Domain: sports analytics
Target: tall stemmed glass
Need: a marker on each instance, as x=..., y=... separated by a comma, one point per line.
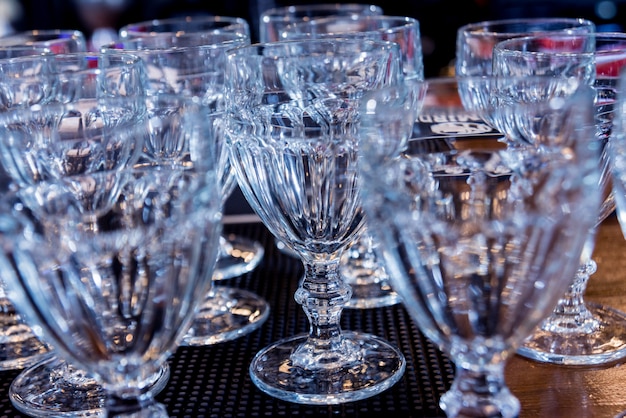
x=361, y=267
x=480, y=237
x=30, y=153
x=273, y=21
x=475, y=41
x=292, y=130
x=577, y=332
x=193, y=64
x=143, y=244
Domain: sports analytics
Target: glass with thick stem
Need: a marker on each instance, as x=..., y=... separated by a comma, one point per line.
x=292, y=132
x=481, y=228
x=361, y=267
x=577, y=332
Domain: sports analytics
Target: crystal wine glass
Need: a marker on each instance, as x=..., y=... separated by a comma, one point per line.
x=142, y=244
x=292, y=131
x=22, y=86
x=361, y=267
x=272, y=24
x=273, y=21
x=480, y=237
x=577, y=332
x=193, y=64
x=475, y=41
x=52, y=386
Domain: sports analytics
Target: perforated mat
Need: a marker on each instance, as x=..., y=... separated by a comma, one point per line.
x=213, y=381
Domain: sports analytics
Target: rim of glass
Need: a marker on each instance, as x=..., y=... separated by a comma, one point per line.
x=486, y=27
x=284, y=11
x=149, y=27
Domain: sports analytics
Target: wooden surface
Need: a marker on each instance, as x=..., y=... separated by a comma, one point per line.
x=564, y=391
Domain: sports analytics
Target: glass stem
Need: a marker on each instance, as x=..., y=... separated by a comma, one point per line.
x=480, y=392
x=322, y=294
x=571, y=314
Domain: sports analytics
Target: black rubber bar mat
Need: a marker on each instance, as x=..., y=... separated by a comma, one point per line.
x=213, y=381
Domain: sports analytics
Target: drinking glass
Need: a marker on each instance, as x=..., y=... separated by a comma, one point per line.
x=140, y=239
x=58, y=41
x=29, y=154
x=22, y=86
x=140, y=243
x=273, y=21
x=475, y=41
x=193, y=64
x=481, y=237
x=292, y=131
x=361, y=267
x=577, y=332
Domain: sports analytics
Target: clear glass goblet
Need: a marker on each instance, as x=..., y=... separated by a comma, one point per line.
x=361, y=267
x=481, y=232
x=292, y=131
x=41, y=144
x=140, y=241
x=272, y=25
x=273, y=21
x=193, y=64
x=577, y=332
x=133, y=288
x=22, y=86
x=475, y=41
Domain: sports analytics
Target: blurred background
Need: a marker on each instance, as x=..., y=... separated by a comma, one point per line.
x=439, y=19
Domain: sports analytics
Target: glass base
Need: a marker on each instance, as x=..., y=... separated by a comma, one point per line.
x=604, y=343
x=45, y=390
x=228, y=314
x=369, y=290
x=20, y=348
x=375, y=367
x=238, y=255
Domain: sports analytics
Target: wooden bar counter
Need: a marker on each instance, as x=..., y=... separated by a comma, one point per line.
x=565, y=391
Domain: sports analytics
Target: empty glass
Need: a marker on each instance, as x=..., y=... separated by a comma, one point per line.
x=137, y=246
x=23, y=85
x=32, y=151
x=577, y=332
x=478, y=230
x=361, y=267
x=292, y=131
